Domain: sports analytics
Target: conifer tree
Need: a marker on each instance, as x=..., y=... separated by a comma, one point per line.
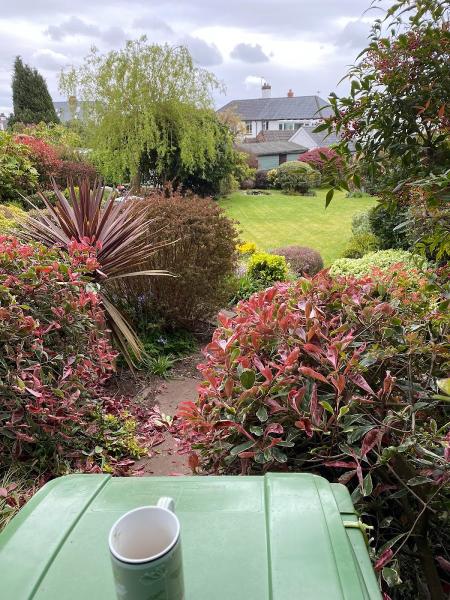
x=31, y=99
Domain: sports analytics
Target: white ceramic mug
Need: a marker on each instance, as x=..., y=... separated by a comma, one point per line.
x=146, y=553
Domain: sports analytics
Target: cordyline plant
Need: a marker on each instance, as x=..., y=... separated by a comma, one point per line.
x=339, y=376
x=114, y=232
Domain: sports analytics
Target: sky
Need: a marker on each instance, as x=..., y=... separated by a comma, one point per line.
x=305, y=45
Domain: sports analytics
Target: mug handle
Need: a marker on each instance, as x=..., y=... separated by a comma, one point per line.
x=167, y=503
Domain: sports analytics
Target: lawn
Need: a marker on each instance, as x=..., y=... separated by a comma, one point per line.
x=280, y=220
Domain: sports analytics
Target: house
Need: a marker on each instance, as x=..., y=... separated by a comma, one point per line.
x=304, y=136
x=70, y=109
x=272, y=154
x=289, y=113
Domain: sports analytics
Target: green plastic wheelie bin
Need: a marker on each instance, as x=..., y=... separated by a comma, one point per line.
x=277, y=537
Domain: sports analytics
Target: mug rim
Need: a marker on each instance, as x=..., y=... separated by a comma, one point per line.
x=148, y=559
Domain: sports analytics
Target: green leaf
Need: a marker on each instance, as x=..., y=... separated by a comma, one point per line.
x=256, y=430
x=262, y=415
x=343, y=411
x=444, y=385
x=321, y=127
x=247, y=378
x=278, y=455
x=329, y=197
x=327, y=406
x=391, y=577
x=367, y=485
x=418, y=481
x=242, y=447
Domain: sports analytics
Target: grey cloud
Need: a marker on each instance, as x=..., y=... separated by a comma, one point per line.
x=49, y=60
x=248, y=53
x=114, y=35
x=153, y=23
x=204, y=54
x=72, y=26
x=354, y=35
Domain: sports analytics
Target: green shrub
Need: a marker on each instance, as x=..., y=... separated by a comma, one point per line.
x=200, y=250
x=10, y=216
x=18, y=175
x=361, y=223
x=267, y=268
x=360, y=244
x=294, y=176
x=301, y=260
x=241, y=288
x=381, y=260
x=383, y=223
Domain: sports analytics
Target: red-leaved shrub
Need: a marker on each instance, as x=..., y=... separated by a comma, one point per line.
x=302, y=260
x=325, y=160
x=75, y=171
x=55, y=356
x=337, y=376
x=44, y=157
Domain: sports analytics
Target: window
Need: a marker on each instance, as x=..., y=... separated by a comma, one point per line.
x=289, y=126
x=248, y=127
x=265, y=125
x=282, y=158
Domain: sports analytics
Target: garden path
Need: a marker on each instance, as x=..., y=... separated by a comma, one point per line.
x=165, y=459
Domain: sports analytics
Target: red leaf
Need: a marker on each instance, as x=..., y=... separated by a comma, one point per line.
x=359, y=380
x=443, y=563
x=342, y=464
x=311, y=373
x=370, y=439
x=314, y=407
x=193, y=462
x=274, y=428
x=386, y=596
x=384, y=559
x=345, y=477
x=332, y=355
x=312, y=349
x=292, y=357
x=339, y=383
x=3, y=492
x=305, y=425
x=229, y=384
x=295, y=397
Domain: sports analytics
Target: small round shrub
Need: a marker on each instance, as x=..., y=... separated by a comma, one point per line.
x=267, y=268
x=261, y=181
x=361, y=244
x=383, y=224
x=75, y=170
x=361, y=223
x=295, y=176
x=200, y=251
x=247, y=248
x=247, y=184
x=381, y=261
x=18, y=175
x=301, y=259
x=10, y=216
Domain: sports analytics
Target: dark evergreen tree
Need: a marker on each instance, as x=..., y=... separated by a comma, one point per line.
x=31, y=99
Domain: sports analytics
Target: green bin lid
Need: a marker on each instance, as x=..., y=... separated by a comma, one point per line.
x=277, y=537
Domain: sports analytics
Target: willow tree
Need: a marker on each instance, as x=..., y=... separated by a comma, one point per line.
x=133, y=100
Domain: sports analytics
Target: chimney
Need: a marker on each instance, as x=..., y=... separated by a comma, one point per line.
x=290, y=93
x=266, y=89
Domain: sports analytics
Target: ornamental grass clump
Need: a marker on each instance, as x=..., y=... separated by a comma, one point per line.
x=339, y=377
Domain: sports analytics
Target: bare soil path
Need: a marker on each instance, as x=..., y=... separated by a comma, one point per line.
x=166, y=394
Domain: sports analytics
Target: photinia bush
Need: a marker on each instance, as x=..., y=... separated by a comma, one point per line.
x=338, y=377
x=55, y=356
x=325, y=160
x=43, y=156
